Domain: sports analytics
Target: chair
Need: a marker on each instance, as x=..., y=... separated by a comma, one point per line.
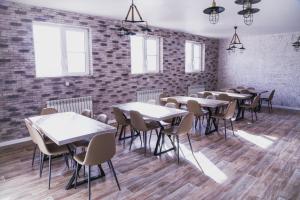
x=245, y=91
x=162, y=95
x=250, y=88
x=252, y=107
x=48, y=111
x=172, y=100
x=102, y=118
x=46, y=149
x=227, y=115
x=87, y=113
x=195, y=108
x=240, y=87
x=139, y=125
x=101, y=149
x=206, y=94
x=269, y=100
x=122, y=121
x=224, y=97
x=183, y=128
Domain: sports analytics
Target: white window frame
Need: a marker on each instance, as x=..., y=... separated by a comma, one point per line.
x=159, y=64
x=202, y=57
x=64, y=59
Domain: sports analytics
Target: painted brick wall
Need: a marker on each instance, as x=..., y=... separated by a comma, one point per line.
x=23, y=95
x=269, y=62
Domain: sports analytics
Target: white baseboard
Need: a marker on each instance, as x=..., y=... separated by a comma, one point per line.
x=283, y=107
x=17, y=141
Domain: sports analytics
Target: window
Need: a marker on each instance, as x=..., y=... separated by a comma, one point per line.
x=60, y=50
x=145, y=54
x=194, y=57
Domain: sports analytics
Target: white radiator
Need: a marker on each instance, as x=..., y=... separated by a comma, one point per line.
x=72, y=105
x=194, y=89
x=146, y=95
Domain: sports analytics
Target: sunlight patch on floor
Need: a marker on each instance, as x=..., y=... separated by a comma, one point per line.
x=263, y=141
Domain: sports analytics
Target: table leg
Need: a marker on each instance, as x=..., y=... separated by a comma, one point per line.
x=239, y=116
x=210, y=122
x=160, y=137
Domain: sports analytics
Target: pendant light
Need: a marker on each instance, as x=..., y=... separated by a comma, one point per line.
x=213, y=12
x=296, y=44
x=235, y=43
x=248, y=10
x=133, y=17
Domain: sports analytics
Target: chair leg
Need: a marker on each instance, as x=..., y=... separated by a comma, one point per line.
x=41, y=164
x=177, y=138
x=225, y=129
x=121, y=132
x=196, y=121
x=252, y=115
x=33, y=155
x=145, y=142
x=83, y=170
x=76, y=175
x=255, y=115
x=66, y=160
x=49, y=179
x=232, y=127
x=132, y=138
x=89, y=181
x=190, y=142
x=117, y=130
x=113, y=170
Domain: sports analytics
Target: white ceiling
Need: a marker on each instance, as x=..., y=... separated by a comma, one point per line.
x=276, y=16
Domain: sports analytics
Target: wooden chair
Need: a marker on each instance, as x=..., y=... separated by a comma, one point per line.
x=122, y=122
x=101, y=149
x=48, y=111
x=195, y=108
x=227, y=115
x=102, y=118
x=224, y=97
x=140, y=126
x=269, y=100
x=162, y=95
x=183, y=128
x=253, y=107
x=206, y=94
x=87, y=113
x=172, y=100
x=46, y=149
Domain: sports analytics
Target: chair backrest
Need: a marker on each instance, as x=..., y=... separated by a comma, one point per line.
x=194, y=107
x=240, y=87
x=101, y=149
x=37, y=137
x=151, y=101
x=172, y=100
x=87, y=113
x=119, y=116
x=102, y=118
x=229, y=113
x=170, y=105
x=194, y=95
x=185, y=124
x=271, y=95
x=206, y=94
x=255, y=102
x=137, y=121
x=162, y=95
x=224, y=97
x=244, y=91
x=48, y=111
x=31, y=133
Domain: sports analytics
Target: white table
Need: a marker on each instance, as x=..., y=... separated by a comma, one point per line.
x=155, y=113
x=68, y=127
x=207, y=103
x=232, y=95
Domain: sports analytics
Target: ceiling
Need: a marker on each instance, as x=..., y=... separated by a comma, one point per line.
x=275, y=16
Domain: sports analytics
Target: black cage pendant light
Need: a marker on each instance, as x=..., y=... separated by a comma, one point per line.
x=133, y=17
x=213, y=12
x=248, y=10
x=235, y=43
x=296, y=44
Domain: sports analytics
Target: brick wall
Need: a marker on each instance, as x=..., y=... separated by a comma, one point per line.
x=269, y=62
x=23, y=95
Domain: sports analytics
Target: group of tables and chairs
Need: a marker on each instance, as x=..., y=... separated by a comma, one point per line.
x=62, y=133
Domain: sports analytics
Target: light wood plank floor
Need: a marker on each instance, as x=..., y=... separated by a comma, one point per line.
x=261, y=162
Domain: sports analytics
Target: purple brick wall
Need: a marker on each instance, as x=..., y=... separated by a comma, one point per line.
x=269, y=62
x=23, y=95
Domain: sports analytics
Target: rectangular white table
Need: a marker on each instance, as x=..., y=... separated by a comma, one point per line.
x=153, y=112
x=230, y=94
x=209, y=104
x=68, y=127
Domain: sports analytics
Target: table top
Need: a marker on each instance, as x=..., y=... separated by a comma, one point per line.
x=251, y=91
x=67, y=127
x=151, y=111
x=232, y=95
x=209, y=103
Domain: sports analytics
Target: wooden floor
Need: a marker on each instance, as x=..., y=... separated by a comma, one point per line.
x=261, y=162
